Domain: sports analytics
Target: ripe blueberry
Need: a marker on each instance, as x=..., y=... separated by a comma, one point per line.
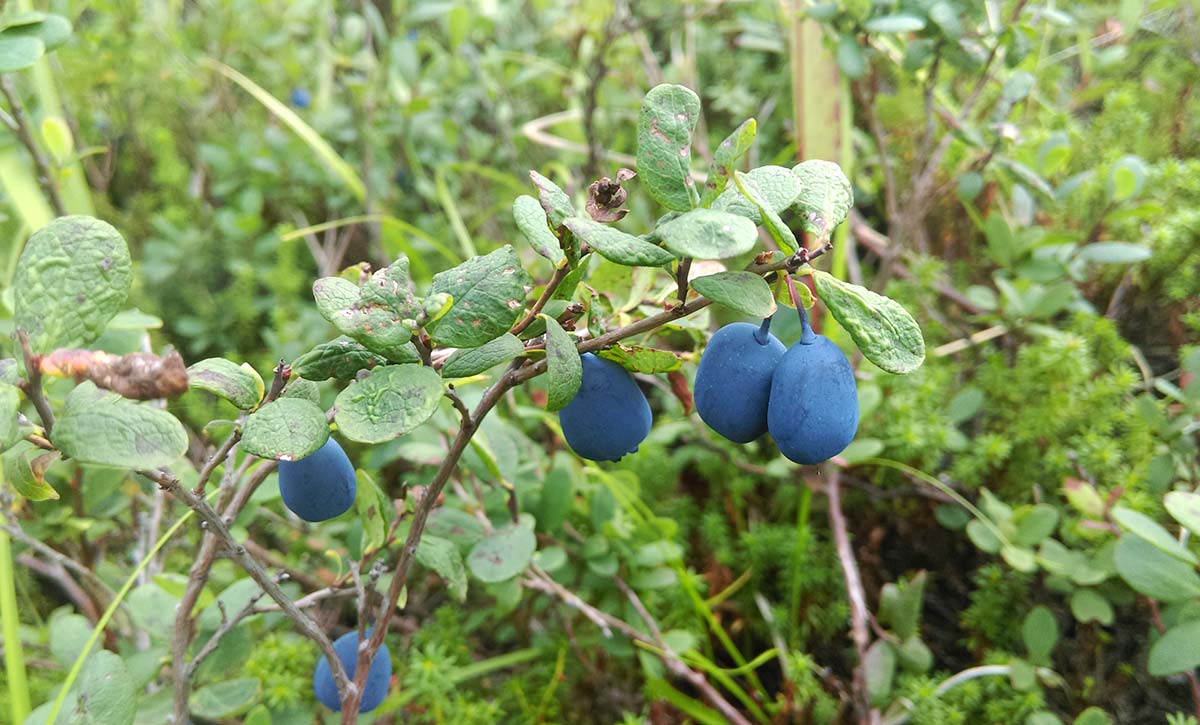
x=378, y=677
x=609, y=416
x=319, y=486
x=733, y=381
x=813, y=413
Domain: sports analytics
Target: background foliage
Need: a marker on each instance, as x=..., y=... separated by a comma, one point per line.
x=1026, y=183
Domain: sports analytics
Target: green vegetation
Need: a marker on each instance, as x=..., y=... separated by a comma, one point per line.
x=320, y=315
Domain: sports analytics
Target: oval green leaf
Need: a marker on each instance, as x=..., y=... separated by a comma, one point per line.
x=1142, y=525
x=72, y=278
x=887, y=335
x=645, y=360
x=664, y=148
x=725, y=156
x=825, y=195
x=502, y=555
x=532, y=221
x=745, y=292
x=774, y=187
x=388, y=403
x=1149, y=570
x=239, y=384
x=1184, y=507
x=564, y=367
x=224, y=699
x=99, y=426
x=24, y=467
x=19, y=51
x=340, y=359
x=489, y=294
x=617, y=246
x=287, y=429
x=472, y=361
x=1178, y=650
x=708, y=234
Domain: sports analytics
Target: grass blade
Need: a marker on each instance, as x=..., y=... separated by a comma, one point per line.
x=319, y=145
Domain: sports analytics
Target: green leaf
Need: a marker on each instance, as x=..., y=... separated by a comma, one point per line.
x=441, y=556
x=8, y=371
x=1147, y=528
x=850, y=58
x=745, y=292
x=1178, y=650
x=24, y=467
x=99, y=426
x=340, y=359
x=287, y=429
x=107, y=694
x=982, y=536
x=224, y=699
x=10, y=405
x=1034, y=524
x=239, y=384
x=784, y=238
x=19, y=51
x=898, y=23
x=1184, y=507
x=558, y=495
x=645, y=360
x=825, y=196
x=1127, y=177
x=1088, y=605
x=72, y=278
x=532, y=221
x=502, y=555
x=260, y=715
x=1093, y=716
x=456, y=525
x=708, y=234
x=52, y=30
x=617, y=246
x=880, y=667
x=1151, y=571
x=1040, y=633
x=733, y=148
x=900, y=605
x=664, y=148
x=887, y=335
x=915, y=655
x=1022, y=675
x=381, y=314
x=774, y=186
x=372, y=507
x=554, y=200
x=564, y=367
x=388, y=403
x=489, y=294
x=1019, y=558
x=1114, y=253
x=472, y=361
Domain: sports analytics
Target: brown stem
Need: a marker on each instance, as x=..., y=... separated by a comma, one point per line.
x=238, y=553
x=45, y=172
x=859, y=616
x=681, y=279
x=560, y=273
x=33, y=385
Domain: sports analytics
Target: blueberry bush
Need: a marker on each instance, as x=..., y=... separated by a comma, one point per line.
x=599, y=362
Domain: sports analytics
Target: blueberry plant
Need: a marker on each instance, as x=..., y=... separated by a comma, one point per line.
x=407, y=356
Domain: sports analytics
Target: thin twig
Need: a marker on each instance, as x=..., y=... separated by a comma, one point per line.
x=242, y=558
x=33, y=385
x=859, y=616
x=560, y=273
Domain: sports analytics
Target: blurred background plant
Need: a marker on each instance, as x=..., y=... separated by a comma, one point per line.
x=1026, y=182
